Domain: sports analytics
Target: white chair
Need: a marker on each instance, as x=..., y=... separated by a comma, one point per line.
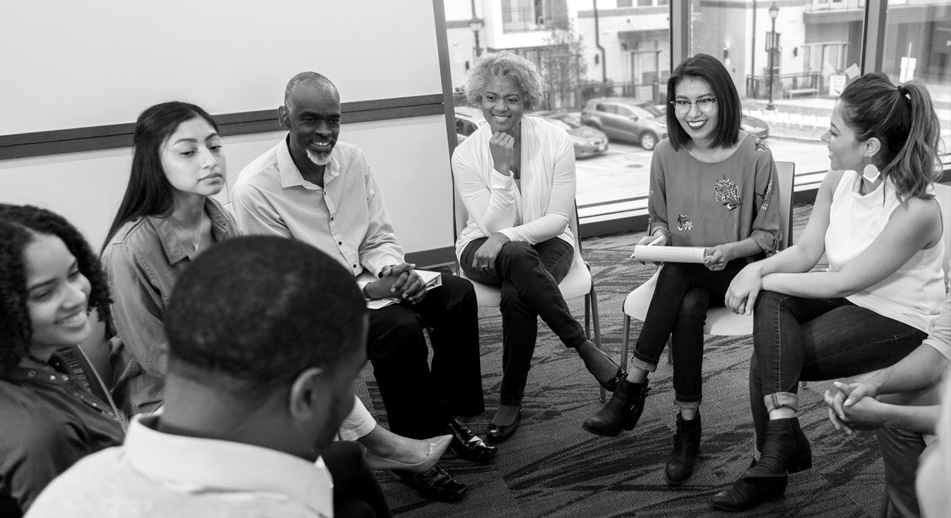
x=720, y=320
x=578, y=282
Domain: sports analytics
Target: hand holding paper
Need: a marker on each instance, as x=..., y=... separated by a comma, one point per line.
x=669, y=254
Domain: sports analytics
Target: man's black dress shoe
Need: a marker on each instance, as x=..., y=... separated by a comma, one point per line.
x=499, y=433
x=468, y=445
x=434, y=484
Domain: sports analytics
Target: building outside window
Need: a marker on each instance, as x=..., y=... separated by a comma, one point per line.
x=807, y=58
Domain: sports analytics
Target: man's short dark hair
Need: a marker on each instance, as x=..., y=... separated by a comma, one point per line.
x=254, y=312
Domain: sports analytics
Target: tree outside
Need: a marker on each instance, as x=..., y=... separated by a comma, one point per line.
x=564, y=68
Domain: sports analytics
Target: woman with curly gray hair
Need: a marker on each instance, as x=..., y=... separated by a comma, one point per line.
x=516, y=177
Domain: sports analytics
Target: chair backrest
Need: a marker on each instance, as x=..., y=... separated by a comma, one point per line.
x=943, y=193
x=787, y=180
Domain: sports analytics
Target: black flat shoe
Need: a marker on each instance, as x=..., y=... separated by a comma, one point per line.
x=434, y=484
x=468, y=445
x=499, y=433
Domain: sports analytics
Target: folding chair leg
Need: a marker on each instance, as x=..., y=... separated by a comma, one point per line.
x=670, y=351
x=592, y=299
x=625, y=338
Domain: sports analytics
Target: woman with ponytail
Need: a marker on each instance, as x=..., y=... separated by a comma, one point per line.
x=880, y=228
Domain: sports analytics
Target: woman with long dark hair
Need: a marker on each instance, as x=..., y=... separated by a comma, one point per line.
x=879, y=226
x=713, y=185
x=167, y=217
x=53, y=409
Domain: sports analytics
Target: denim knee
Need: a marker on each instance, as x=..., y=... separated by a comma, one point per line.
x=695, y=302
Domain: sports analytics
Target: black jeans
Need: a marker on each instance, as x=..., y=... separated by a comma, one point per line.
x=419, y=399
x=796, y=338
x=356, y=493
x=678, y=310
x=529, y=277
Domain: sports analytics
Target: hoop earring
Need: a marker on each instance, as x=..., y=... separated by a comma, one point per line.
x=870, y=173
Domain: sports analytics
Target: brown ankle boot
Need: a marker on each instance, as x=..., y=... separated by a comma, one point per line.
x=621, y=412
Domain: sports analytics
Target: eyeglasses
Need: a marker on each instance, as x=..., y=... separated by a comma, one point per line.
x=705, y=105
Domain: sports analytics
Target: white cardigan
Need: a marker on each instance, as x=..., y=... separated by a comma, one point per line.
x=538, y=212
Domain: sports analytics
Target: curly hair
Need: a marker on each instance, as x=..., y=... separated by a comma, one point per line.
x=515, y=68
x=19, y=226
x=903, y=118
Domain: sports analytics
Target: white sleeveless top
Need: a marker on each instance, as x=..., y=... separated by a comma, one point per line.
x=912, y=295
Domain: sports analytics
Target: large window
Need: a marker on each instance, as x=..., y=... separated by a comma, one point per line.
x=917, y=45
x=606, y=64
x=789, y=61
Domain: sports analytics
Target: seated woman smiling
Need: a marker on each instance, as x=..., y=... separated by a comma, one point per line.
x=516, y=177
x=51, y=413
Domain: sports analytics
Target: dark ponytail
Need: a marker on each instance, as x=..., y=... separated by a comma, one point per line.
x=904, y=120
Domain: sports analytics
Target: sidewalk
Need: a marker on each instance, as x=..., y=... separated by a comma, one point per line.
x=808, y=118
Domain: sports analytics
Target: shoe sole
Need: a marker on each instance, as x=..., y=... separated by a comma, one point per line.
x=482, y=458
x=743, y=509
x=453, y=498
x=605, y=434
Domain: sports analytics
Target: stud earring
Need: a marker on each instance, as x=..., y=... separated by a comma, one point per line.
x=870, y=173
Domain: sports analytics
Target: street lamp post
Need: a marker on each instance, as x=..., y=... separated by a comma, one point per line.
x=773, y=13
x=476, y=25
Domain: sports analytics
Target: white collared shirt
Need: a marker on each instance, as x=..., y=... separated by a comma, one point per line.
x=346, y=219
x=157, y=475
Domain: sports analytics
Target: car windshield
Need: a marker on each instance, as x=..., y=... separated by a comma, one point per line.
x=650, y=108
x=569, y=121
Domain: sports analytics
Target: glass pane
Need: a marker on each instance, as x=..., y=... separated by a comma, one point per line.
x=788, y=63
x=613, y=152
x=918, y=46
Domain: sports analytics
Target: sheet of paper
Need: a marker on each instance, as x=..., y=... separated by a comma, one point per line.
x=430, y=278
x=669, y=254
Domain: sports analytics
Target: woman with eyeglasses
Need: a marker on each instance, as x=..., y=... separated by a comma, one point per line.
x=712, y=185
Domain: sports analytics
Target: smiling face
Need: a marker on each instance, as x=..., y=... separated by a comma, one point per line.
x=192, y=159
x=845, y=152
x=57, y=296
x=699, y=126
x=313, y=119
x=503, y=105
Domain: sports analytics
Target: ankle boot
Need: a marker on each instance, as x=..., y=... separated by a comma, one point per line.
x=746, y=494
x=686, y=447
x=785, y=450
x=621, y=412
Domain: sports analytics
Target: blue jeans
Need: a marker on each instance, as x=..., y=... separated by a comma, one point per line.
x=796, y=338
x=678, y=310
x=529, y=277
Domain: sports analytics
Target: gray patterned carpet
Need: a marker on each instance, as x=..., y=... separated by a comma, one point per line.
x=552, y=467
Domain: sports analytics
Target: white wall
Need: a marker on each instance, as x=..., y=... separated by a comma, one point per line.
x=68, y=64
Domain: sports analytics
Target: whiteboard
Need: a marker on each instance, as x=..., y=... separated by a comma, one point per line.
x=71, y=64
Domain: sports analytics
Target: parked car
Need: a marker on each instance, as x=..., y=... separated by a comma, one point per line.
x=586, y=140
x=754, y=126
x=622, y=118
x=467, y=121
